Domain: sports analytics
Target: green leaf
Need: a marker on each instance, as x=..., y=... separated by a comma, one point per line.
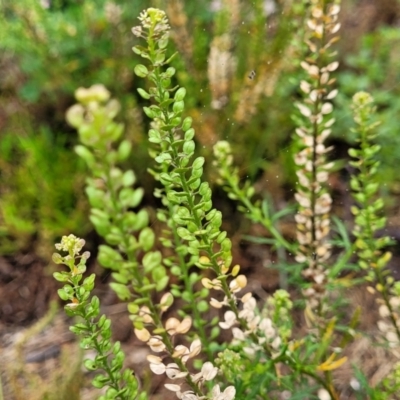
x=95, y=196
x=124, y=149
x=90, y=365
x=143, y=93
x=175, y=270
x=85, y=154
x=141, y=71
x=61, y=276
x=101, y=225
x=165, y=178
x=165, y=83
x=186, y=125
x=164, y=157
x=197, y=173
x=151, y=261
x=195, y=184
x=147, y=238
x=355, y=184
x=120, y=278
x=163, y=42
x=226, y=245
x=154, y=136
x=185, y=234
x=121, y=291
x=88, y=282
x=162, y=283
x=160, y=58
x=180, y=94
x=214, y=332
x=140, y=50
x=100, y=381
x=145, y=288
x=108, y=257
x=354, y=153
x=63, y=295
x=187, y=296
x=133, y=308
x=198, y=163
x=128, y=178
x=220, y=238
x=114, y=238
x=131, y=198
x=141, y=220
x=170, y=72
x=149, y=112
x=188, y=148
x=178, y=106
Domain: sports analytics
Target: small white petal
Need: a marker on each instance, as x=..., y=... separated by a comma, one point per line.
x=158, y=369
x=326, y=108
x=172, y=387
x=304, y=110
x=332, y=66
x=335, y=28
x=323, y=394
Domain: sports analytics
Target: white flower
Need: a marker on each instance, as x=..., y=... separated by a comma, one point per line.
x=194, y=350
x=228, y=394
x=238, y=283
x=323, y=394
x=142, y=334
x=248, y=313
x=188, y=395
x=156, y=344
x=207, y=373
x=174, y=326
x=218, y=304
x=171, y=370
x=238, y=334
x=267, y=328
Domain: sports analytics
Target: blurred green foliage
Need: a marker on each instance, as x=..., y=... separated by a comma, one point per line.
x=49, y=48
x=60, y=45
x=41, y=192
x=239, y=60
x=375, y=68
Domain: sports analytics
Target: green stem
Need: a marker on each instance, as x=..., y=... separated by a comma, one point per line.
x=266, y=222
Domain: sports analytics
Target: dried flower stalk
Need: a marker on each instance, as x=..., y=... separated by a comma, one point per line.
x=313, y=222
x=179, y=33
x=221, y=61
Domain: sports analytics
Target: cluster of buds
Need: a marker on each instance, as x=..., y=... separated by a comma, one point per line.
x=313, y=223
x=95, y=109
x=154, y=25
